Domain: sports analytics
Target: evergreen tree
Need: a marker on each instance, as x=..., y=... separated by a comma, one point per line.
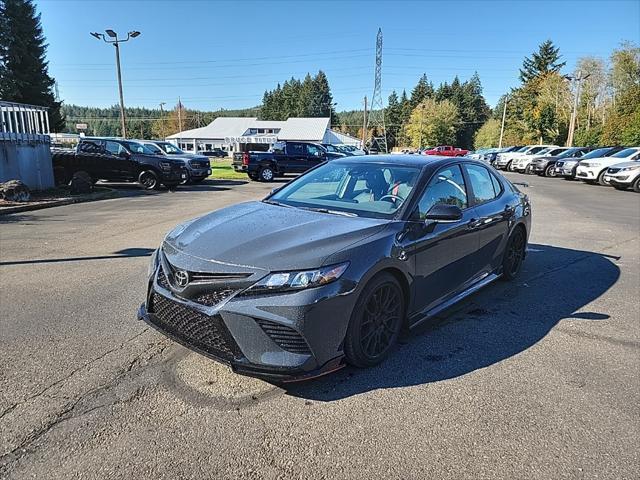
x=422, y=91
x=545, y=60
x=393, y=116
x=24, y=76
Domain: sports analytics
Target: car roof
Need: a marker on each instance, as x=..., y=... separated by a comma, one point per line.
x=404, y=160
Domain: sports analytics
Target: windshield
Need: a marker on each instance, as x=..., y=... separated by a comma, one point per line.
x=537, y=150
x=155, y=149
x=627, y=152
x=135, y=147
x=600, y=152
x=170, y=148
x=568, y=153
x=362, y=189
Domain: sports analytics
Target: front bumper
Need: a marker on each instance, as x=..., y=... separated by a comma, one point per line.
x=587, y=173
x=539, y=167
x=199, y=173
x=278, y=337
x=620, y=180
x=174, y=175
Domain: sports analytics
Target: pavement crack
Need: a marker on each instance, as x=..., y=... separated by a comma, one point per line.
x=71, y=374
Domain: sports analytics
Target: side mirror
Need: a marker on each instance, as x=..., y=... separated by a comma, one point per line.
x=442, y=213
x=124, y=154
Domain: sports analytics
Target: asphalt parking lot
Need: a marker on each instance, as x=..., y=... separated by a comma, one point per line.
x=534, y=379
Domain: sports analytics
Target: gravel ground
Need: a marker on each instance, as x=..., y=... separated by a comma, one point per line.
x=538, y=378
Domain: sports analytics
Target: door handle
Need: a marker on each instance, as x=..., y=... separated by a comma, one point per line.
x=474, y=224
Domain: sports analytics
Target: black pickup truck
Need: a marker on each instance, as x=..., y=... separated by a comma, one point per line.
x=282, y=158
x=117, y=160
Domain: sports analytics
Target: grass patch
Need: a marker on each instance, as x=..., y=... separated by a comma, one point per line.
x=222, y=169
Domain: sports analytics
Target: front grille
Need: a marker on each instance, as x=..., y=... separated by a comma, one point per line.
x=213, y=297
x=199, y=164
x=206, y=333
x=285, y=337
x=206, y=294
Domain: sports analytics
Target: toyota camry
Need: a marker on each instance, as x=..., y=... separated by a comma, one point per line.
x=328, y=269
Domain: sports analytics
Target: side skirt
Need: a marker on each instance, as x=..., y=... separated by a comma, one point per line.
x=455, y=299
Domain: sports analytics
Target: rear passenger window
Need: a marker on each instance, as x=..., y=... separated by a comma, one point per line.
x=295, y=149
x=482, y=183
x=90, y=147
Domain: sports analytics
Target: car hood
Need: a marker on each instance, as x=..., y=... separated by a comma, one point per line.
x=269, y=237
x=627, y=164
x=186, y=156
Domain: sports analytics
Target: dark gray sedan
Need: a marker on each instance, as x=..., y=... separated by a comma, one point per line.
x=329, y=268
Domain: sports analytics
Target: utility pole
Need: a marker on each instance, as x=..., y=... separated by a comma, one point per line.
x=116, y=43
x=572, y=124
x=364, y=124
x=504, y=116
x=376, y=116
x=162, y=104
x=179, y=114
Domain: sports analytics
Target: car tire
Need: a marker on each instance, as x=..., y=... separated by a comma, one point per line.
x=636, y=185
x=550, y=171
x=266, y=174
x=376, y=322
x=601, y=180
x=528, y=170
x=514, y=254
x=149, y=180
x=507, y=167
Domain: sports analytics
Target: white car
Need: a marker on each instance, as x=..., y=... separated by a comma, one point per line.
x=521, y=163
x=624, y=175
x=594, y=169
x=504, y=159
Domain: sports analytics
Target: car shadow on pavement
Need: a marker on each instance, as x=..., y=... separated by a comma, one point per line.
x=500, y=321
x=125, y=253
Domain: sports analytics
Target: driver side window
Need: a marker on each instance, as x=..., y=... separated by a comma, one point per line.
x=446, y=187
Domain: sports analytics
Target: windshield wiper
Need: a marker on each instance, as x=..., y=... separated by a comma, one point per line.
x=274, y=202
x=332, y=212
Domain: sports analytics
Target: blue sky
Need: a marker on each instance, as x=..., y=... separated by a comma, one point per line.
x=225, y=54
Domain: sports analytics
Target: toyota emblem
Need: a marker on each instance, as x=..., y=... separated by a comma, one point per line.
x=182, y=278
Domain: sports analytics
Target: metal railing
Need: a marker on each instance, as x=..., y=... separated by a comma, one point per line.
x=20, y=122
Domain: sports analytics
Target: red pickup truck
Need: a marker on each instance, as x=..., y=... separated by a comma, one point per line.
x=446, y=151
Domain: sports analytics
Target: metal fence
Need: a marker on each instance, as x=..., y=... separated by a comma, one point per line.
x=24, y=123
x=24, y=145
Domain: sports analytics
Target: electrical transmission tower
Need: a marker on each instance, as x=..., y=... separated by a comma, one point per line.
x=375, y=119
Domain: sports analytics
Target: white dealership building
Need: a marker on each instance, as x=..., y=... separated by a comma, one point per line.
x=236, y=134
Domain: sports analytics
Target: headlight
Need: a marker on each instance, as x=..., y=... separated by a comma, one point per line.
x=153, y=264
x=627, y=169
x=165, y=165
x=287, y=281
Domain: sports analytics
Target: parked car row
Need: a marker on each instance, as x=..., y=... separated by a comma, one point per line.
x=150, y=163
x=611, y=165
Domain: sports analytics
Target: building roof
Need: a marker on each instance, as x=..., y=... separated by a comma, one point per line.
x=304, y=129
x=311, y=129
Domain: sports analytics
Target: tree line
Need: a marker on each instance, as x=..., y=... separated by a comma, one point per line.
x=539, y=110
x=310, y=97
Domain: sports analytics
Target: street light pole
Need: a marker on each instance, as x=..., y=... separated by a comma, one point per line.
x=116, y=43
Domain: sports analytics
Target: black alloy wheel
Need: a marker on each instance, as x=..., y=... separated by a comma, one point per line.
x=149, y=180
x=514, y=254
x=376, y=322
x=550, y=171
